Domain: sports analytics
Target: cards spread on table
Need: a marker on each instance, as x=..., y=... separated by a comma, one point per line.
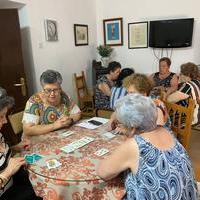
x=77, y=144
x=101, y=152
x=67, y=133
x=53, y=163
x=109, y=135
x=32, y=158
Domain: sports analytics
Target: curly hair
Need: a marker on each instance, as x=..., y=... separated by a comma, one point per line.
x=190, y=69
x=140, y=81
x=50, y=76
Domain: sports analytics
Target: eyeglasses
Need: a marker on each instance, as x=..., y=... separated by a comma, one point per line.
x=49, y=91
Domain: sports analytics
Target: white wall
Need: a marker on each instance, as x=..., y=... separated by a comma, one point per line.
x=63, y=55
x=143, y=60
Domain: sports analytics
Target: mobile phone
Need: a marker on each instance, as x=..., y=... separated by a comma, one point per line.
x=94, y=122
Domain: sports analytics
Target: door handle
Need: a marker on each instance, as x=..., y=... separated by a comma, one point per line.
x=22, y=84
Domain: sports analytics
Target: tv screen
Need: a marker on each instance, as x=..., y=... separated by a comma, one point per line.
x=172, y=33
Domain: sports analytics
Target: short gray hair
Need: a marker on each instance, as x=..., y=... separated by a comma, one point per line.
x=5, y=100
x=49, y=77
x=137, y=111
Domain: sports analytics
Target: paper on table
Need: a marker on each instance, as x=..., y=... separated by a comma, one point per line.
x=87, y=125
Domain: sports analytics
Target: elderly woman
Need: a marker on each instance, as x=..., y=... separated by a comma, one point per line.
x=50, y=109
x=14, y=182
x=189, y=86
x=155, y=164
x=164, y=79
x=104, y=85
x=140, y=83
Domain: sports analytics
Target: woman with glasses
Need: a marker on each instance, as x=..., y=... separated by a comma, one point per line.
x=50, y=109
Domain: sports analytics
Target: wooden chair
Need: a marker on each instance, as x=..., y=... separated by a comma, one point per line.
x=85, y=99
x=104, y=113
x=181, y=119
x=16, y=122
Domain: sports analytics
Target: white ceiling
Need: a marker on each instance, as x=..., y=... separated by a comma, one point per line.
x=10, y=4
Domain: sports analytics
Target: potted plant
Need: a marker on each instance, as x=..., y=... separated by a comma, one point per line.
x=105, y=52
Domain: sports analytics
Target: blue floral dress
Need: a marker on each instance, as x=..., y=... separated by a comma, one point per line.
x=166, y=175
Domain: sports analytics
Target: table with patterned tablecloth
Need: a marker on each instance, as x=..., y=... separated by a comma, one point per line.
x=76, y=178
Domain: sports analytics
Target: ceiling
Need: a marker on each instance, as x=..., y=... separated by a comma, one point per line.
x=10, y=4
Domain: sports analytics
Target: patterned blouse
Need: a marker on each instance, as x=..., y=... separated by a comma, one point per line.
x=166, y=175
x=163, y=82
x=38, y=113
x=102, y=101
x=192, y=88
x=4, y=158
x=117, y=93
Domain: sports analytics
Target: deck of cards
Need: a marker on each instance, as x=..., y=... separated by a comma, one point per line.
x=101, y=152
x=32, y=158
x=53, y=163
x=77, y=144
x=109, y=135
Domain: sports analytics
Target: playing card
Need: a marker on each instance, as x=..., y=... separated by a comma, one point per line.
x=68, y=148
x=101, y=152
x=36, y=157
x=29, y=159
x=109, y=135
x=53, y=163
x=67, y=133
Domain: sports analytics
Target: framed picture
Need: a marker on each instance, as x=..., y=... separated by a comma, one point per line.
x=113, y=31
x=51, y=30
x=138, y=35
x=80, y=34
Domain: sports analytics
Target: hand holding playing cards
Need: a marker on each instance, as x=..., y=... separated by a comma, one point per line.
x=63, y=121
x=13, y=166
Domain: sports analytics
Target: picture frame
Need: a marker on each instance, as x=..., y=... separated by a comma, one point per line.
x=138, y=35
x=113, y=31
x=51, y=30
x=81, y=34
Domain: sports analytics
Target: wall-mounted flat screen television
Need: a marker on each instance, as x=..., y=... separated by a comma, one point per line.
x=172, y=33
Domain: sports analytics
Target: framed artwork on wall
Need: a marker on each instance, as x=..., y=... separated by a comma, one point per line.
x=80, y=34
x=113, y=31
x=138, y=35
x=51, y=30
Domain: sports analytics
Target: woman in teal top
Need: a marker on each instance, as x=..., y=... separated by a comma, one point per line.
x=155, y=164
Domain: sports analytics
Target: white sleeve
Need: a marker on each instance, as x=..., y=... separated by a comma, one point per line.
x=30, y=118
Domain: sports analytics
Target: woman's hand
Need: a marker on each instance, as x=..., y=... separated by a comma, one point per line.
x=63, y=121
x=13, y=166
x=23, y=145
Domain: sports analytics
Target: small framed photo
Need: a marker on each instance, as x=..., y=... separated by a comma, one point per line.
x=51, y=30
x=138, y=35
x=113, y=31
x=80, y=34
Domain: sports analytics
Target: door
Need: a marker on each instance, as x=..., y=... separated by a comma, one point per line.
x=12, y=74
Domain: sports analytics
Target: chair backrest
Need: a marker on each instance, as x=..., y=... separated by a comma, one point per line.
x=181, y=120
x=16, y=122
x=81, y=86
x=84, y=97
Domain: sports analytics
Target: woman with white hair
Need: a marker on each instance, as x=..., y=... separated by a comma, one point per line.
x=155, y=164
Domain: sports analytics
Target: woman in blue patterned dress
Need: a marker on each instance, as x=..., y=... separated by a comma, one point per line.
x=155, y=164
x=49, y=109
